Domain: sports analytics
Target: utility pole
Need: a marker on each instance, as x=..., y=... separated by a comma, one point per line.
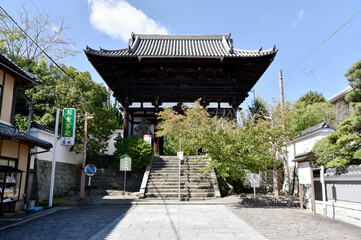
x=82, y=179
x=282, y=96
x=285, y=161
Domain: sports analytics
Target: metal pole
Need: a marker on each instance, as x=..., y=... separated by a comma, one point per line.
x=82, y=179
x=125, y=180
x=323, y=191
x=179, y=173
x=254, y=192
x=53, y=160
x=90, y=178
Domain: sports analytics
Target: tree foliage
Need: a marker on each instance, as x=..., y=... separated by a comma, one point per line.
x=343, y=146
x=312, y=97
x=78, y=92
x=139, y=150
x=231, y=148
x=309, y=115
x=258, y=108
x=46, y=31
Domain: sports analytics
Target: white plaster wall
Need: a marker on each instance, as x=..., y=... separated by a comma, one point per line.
x=344, y=211
x=304, y=144
x=62, y=152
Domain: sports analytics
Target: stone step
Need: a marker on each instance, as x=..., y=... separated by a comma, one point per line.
x=194, y=181
x=177, y=164
x=186, y=188
x=183, y=195
x=156, y=168
x=176, y=174
x=183, y=192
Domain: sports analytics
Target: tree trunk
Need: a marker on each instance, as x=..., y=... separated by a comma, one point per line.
x=275, y=177
x=286, y=176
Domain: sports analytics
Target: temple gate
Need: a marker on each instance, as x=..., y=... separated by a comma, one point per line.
x=156, y=70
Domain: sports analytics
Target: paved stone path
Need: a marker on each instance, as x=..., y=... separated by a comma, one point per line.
x=186, y=222
x=290, y=223
x=76, y=223
x=181, y=222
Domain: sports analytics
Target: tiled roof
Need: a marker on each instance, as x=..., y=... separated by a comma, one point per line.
x=12, y=133
x=152, y=45
x=315, y=128
x=6, y=62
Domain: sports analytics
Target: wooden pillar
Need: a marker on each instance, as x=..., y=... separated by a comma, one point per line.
x=126, y=122
x=156, y=139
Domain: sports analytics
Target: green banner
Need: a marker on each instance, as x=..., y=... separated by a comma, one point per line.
x=68, y=127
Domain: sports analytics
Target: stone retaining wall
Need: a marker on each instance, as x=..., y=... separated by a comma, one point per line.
x=108, y=178
x=67, y=179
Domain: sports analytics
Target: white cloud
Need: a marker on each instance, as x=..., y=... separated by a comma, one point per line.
x=300, y=16
x=118, y=19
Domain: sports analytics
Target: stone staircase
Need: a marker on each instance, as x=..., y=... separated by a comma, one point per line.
x=163, y=179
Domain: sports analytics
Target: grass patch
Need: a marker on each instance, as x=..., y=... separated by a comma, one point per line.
x=55, y=200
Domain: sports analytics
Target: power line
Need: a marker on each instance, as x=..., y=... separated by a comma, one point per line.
x=27, y=35
x=314, y=50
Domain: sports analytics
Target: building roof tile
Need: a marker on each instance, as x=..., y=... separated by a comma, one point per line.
x=154, y=45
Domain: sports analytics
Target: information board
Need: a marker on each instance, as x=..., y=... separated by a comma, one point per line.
x=125, y=163
x=180, y=155
x=254, y=179
x=304, y=172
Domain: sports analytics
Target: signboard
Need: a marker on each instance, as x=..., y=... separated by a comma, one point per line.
x=180, y=155
x=125, y=163
x=68, y=127
x=254, y=179
x=90, y=170
x=148, y=138
x=304, y=172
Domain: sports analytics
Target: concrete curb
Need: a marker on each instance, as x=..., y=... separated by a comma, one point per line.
x=145, y=179
x=31, y=217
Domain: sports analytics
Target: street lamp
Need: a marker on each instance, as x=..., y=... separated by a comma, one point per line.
x=82, y=179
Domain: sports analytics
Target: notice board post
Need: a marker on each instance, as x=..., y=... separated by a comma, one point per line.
x=125, y=165
x=305, y=175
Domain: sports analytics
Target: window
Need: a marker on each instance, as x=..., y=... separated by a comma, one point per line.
x=8, y=162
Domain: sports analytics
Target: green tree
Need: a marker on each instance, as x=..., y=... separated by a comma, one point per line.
x=258, y=108
x=343, y=147
x=278, y=130
x=312, y=97
x=231, y=148
x=309, y=115
x=79, y=92
x=139, y=150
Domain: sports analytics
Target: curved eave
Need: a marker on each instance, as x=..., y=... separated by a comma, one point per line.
x=124, y=54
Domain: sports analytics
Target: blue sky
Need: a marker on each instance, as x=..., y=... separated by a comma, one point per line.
x=295, y=27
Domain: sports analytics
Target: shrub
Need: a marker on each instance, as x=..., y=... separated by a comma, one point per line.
x=139, y=150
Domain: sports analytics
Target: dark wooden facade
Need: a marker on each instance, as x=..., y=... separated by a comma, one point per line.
x=159, y=69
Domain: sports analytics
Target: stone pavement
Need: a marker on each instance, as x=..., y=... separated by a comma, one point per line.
x=187, y=222
x=208, y=220
x=75, y=223
x=292, y=223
